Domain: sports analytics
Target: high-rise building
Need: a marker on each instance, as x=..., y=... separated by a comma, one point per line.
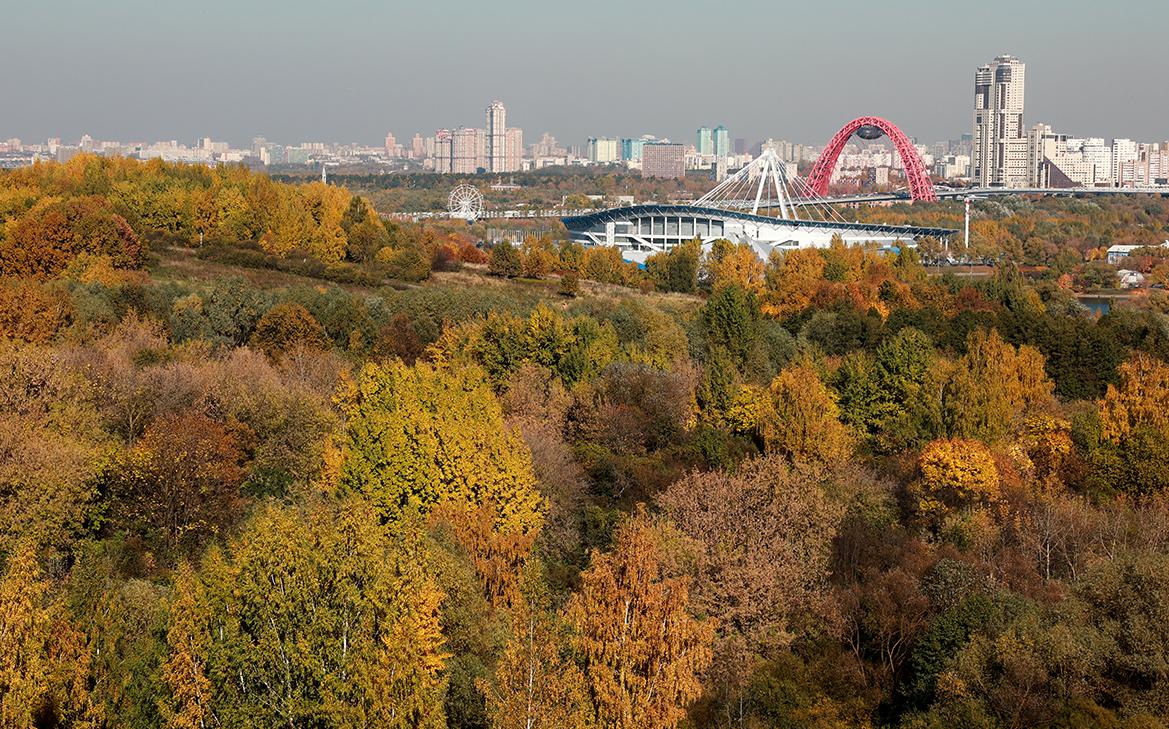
x=391, y=145
x=631, y=149
x=722, y=141
x=417, y=147
x=1124, y=154
x=443, y=151
x=1000, y=153
x=514, y=144
x=603, y=149
x=497, y=137
x=705, y=143
x=663, y=159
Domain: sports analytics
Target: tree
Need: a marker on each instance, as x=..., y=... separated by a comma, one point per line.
x=569, y=284
x=43, y=660
x=538, y=257
x=31, y=312
x=420, y=438
x=763, y=537
x=181, y=483
x=1140, y=400
x=285, y=327
x=505, y=261
x=677, y=269
x=803, y=423
x=366, y=238
x=405, y=262
x=189, y=704
x=992, y=386
x=536, y=683
x=730, y=264
x=642, y=650
x=318, y=616
x=730, y=321
x=955, y=475
x=604, y=265
x=43, y=241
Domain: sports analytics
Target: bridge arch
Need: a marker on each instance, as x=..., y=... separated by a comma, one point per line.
x=920, y=185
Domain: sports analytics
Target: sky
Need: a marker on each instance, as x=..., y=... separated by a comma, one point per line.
x=351, y=70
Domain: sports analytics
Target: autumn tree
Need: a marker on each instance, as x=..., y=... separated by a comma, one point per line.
x=955, y=475
x=318, y=615
x=44, y=662
x=569, y=284
x=764, y=536
x=1141, y=400
x=537, y=684
x=189, y=703
x=46, y=238
x=731, y=264
x=537, y=257
x=803, y=422
x=642, y=649
x=287, y=326
x=181, y=482
x=31, y=312
x=992, y=386
x=505, y=260
x=425, y=438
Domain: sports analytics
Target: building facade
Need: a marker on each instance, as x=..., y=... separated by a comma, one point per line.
x=496, y=137
x=1000, y=154
x=665, y=160
x=603, y=150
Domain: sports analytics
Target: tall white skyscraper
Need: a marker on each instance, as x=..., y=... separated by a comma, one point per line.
x=1000, y=152
x=497, y=138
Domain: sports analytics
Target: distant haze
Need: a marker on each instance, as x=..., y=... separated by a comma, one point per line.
x=348, y=70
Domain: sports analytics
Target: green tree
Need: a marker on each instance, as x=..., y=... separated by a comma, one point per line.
x=505, y=260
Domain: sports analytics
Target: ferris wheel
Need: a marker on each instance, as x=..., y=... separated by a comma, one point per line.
x=465, y=202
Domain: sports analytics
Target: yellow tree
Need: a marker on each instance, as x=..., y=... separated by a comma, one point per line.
x=993, y=386
x=1142, y=399
x=732, y=264
x=536, y=684
x=424, y=437
x=955, y=475
x=43, y=660
x=642, y=649
x=803, y=422
x=184, y=672
x=792, y=279
x=322, y=617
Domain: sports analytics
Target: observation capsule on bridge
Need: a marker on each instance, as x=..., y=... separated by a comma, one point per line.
x=870, y=132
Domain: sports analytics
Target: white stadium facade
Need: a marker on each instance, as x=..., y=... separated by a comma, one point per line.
x=640, y=231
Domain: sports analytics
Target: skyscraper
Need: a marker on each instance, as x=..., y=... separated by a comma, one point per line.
x=705, y=143
x=515, y=149
x=722, y=141
x=497, y=137
x=1000, y=144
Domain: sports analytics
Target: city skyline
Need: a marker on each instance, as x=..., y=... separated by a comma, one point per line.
x=359, y=72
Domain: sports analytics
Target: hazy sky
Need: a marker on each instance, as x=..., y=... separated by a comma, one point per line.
x=348, y=70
